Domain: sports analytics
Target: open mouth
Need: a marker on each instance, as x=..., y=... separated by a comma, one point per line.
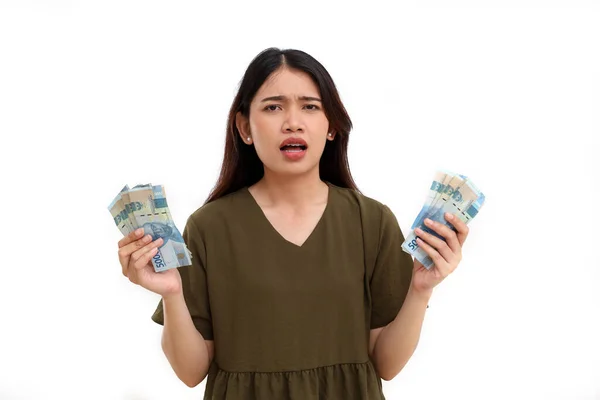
x=293, y=148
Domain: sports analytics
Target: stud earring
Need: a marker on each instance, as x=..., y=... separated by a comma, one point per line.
x=329, y=134
x=248, y=138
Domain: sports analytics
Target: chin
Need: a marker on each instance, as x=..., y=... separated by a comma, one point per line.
x=297, y=168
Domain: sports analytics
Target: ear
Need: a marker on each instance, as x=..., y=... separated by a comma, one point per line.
x=243, y=127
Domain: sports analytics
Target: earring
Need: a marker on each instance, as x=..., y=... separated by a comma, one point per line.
x=248, y=138
x=329, y=134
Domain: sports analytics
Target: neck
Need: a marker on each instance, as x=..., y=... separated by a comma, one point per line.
x=299, y=191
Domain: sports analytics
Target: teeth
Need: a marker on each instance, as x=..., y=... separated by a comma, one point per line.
x=296, y=145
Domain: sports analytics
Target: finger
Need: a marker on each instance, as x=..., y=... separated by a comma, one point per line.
x=437, y=243
x=126, y=251
x=444, y=231
x=437, y=258
x=461, y=227
x=135, y=235
x=142, y=257
x=132, y=274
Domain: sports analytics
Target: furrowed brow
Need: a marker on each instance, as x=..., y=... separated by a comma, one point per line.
x=284, y=98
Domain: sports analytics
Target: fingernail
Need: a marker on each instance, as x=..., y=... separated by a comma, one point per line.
x=428, y=221
x=419, y=231
x=449, y=216
x=139, y=232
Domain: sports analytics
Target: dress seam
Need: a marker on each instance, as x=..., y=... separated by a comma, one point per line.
x=294, y=371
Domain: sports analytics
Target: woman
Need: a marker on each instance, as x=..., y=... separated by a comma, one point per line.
x=298, y=287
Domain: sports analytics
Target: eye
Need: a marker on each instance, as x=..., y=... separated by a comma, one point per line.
x=269, y=107
x=315, y=107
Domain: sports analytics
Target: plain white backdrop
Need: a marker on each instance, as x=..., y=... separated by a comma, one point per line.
x=96, y=95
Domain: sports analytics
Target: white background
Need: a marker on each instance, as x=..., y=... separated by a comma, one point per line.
x=98, y=94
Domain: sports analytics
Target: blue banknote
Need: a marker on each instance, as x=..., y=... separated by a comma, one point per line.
x=119, y=214
x=449, y=193
x=145, y=206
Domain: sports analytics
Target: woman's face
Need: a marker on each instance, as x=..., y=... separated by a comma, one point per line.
x=286, y=106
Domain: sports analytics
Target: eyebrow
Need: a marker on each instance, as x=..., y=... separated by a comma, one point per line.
x=284, y=98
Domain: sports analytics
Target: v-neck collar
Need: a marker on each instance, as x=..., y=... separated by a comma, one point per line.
x=262, y=216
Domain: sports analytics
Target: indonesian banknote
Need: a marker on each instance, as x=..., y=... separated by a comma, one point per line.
x=449, y=193
x=145, y=206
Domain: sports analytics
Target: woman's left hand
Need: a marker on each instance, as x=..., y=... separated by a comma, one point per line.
x=445, y=255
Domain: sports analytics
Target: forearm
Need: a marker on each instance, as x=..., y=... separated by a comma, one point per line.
x=182, y=344
x=398, y=340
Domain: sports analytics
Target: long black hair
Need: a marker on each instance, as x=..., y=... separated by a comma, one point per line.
x=241, y=165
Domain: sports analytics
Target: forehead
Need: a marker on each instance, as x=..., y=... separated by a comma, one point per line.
x=290, y=83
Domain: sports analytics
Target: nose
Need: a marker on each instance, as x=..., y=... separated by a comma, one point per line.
x=293, y=121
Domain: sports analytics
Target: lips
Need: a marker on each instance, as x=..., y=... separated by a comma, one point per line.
x=292, y=143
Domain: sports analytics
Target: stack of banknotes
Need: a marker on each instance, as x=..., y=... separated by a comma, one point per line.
x=145, y=206
x=449, y=193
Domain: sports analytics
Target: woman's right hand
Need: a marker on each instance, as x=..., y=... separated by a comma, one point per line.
x=135, y=256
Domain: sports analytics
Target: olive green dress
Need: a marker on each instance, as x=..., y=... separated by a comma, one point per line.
x=292, y=322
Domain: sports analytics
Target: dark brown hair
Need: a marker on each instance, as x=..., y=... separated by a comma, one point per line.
x=241, y=165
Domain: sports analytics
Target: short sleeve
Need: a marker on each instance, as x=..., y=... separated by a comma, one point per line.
x=194, y=282
x=392, y=273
